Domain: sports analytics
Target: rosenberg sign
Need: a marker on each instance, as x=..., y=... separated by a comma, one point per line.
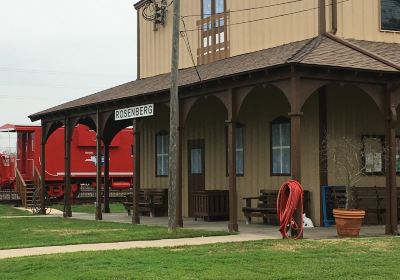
x=134, y=112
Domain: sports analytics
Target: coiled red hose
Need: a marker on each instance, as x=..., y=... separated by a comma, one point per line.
x=289, y=196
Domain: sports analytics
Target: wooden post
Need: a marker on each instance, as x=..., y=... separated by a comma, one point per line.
x=391, y=188
x=136, y=171
x=179, y=217
x=99, y=215
x=174, y=121
x=67, y=168
x=106, y=178
x=232, y=115
x=323, y=138
x=296, y=160
x=233, y=225
x=43, y=172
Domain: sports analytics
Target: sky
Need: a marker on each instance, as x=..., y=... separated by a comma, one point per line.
x=53, y=51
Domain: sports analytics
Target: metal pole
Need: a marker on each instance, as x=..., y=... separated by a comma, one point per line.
x=174, y=121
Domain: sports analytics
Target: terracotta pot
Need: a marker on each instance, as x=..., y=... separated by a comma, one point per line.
x=348, y=222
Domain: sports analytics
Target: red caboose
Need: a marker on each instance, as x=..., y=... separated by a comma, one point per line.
x=83, y=155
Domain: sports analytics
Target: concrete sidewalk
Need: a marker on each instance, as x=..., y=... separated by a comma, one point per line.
x=36, y=251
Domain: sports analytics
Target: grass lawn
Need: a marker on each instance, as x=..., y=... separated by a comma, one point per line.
x=273, y=259
x=43, y=231
x=89, y=208
x=7, y=210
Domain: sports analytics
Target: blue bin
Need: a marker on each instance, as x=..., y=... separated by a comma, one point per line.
x=327, y=204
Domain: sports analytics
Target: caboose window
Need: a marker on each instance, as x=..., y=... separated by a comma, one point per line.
x=162, y=153
x=390, y=15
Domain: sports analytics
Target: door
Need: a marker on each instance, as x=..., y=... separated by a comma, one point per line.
x=195, y=170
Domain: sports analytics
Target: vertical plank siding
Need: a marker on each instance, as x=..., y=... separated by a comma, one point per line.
x=361, y=20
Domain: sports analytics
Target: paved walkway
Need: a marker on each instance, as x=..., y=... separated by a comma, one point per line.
x=24, y=252
x=250, y=232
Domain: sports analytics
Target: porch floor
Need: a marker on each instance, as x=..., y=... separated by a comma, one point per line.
x=256, y=229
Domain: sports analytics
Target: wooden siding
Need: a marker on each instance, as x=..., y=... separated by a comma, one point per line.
x=207, y=121
x=353, y=121
x=361, y=20
x=155, y=46
x=250, y=30
x=260, y=33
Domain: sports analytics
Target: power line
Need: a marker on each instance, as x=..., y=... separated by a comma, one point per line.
x=249, y=9
x=189, y=49
x=277, y=16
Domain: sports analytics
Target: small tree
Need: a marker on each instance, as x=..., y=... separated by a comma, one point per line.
x=348, y=157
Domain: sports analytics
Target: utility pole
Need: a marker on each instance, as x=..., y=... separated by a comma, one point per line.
x=174, y=120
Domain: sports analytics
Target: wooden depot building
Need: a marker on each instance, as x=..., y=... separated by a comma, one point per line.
x=261, y=84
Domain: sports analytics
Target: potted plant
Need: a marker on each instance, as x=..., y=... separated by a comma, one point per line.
x=347, y=157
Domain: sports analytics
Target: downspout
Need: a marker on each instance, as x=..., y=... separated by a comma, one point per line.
x=321, y=17
x=334, y=16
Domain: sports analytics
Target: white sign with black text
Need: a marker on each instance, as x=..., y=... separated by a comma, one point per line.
x=134, y=112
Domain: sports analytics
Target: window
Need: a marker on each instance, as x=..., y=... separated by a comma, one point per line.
x=280, y=146
x=390, y=15
x=196, y=161
x=162, y=153
x=213, y=32
x=373, y=154
x=239, y=150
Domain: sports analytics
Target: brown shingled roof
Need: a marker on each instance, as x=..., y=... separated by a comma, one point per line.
x=222, y=68
x=320, y=51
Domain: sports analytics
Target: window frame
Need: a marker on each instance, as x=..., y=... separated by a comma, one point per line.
x=242, y=126
x=381, y=28
x=280, y=120
x=161, y=133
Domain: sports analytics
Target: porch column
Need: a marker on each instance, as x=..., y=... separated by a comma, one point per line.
x=43, y=172
x=99, y=133
x=179, y=143
x=106, y=178
x=67, y=169
x=233, y=225
x=295, y=120
x=232, y=115
x=136, y=171
x=391, y=188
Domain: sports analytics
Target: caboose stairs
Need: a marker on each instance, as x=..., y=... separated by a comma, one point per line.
x=25, y=190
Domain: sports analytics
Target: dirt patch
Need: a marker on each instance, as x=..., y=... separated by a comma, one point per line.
x=72, y=232
x=292, y=246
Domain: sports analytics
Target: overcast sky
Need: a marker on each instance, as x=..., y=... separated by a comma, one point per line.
x=53, y=51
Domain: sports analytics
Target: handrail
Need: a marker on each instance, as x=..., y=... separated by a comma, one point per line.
x=37, y=178
x=21, y=187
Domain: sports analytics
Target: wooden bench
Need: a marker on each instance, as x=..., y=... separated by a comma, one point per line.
x=370, y=199
x=152, y=202
x=266, y=206
x=211, y=205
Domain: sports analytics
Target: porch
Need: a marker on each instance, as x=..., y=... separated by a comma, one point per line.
x=294, y=89
x=256, y=230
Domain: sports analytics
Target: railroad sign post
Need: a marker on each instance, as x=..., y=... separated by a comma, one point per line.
x=134, y=112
